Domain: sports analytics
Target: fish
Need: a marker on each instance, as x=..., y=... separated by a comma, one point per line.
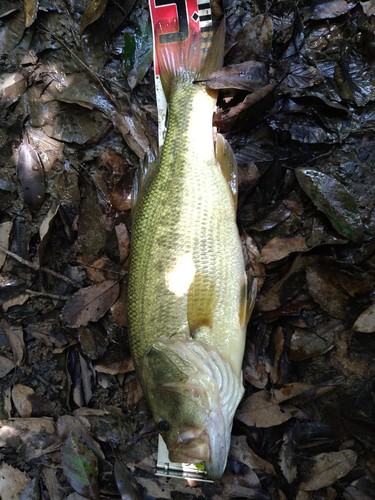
x=188, y=295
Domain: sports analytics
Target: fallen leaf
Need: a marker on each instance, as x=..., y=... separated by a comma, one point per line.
x=12, y=482
x=243, y=453
x=21, y=399
x=327, y=468
x=365, y=322
x=323, y=290
x=333, y=199
x=5, y=229
x=15, y=337
x=30, y=175
x=126, y=482
x=278, y=248
x=263, y=409
x=6, y=366
x=90, y=304
x=80, y=466
x=93, y=12
x=331, y=9
x=30, y=10
x=123, y=239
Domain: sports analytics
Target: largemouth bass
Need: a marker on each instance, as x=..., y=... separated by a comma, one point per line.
x=187, y=289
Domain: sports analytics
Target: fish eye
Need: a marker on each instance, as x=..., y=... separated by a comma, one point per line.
x=163, y=426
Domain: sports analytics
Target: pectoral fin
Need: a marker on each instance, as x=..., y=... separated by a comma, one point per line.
x=228, y=165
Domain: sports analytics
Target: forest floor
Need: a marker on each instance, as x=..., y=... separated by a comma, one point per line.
x=77, y=116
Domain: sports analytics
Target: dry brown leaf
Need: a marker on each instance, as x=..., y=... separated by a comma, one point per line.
x=243, y=453
x=90, y=304
x=123, y=240
x=21, y=399
x=365, y=322
x=30, y=10
x=6, y=366
x=93, y=12
x=15, y=337
x=36, y=435
x=327, y=468
x=321, y=288
x=278, y=248
x=262, y=409
x=12, y=482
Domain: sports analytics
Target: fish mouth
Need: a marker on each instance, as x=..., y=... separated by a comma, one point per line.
x=193, y=447
x=210, y=446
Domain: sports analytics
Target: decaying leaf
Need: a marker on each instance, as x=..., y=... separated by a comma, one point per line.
x=6, y=366
x=243, y=452
x=93, y=12
x=330, y=9
x=12, y=482
x=80, y=466
x=16, y=340
x=30, y=175
x=324, y=291
x=126, y=483
x=332, y=198
x=21, y=401
x=327, y=468
x=263, y=409
x=249, y=75
x=366, y=321
x=278, y=248
x=90, y=304
x=30, y=10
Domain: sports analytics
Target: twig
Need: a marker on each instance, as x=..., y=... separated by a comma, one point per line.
x=52, y=296
x=36, y=267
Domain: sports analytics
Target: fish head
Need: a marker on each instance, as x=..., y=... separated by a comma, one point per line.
x=185, y=390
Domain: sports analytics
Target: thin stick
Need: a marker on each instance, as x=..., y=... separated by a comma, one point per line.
x=36, y=267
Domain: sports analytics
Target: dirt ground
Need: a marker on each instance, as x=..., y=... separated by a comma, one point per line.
x=77, y=117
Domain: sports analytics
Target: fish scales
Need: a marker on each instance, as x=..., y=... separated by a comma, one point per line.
x=188, y=211
x=187, y=287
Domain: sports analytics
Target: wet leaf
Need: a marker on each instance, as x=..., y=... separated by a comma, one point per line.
x=90, y=304
x=93, y=12
x=366, y=321
x=324, y=291
x=328, y=10
x=30, y=175
x=12, y=86
x=332, y=198
x=80, y=467
x=249, y=75
x=138, y=47
x=327, y=468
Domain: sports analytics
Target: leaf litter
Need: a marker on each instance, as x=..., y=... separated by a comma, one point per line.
x=77, y=116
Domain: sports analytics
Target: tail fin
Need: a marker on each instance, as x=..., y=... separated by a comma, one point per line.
x=186, y=44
